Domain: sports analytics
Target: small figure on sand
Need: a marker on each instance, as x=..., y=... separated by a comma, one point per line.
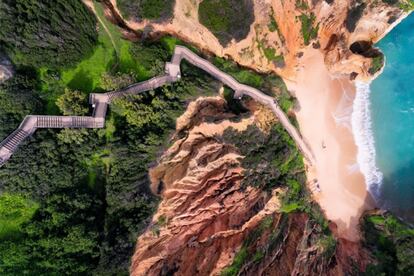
x=315, y=186
x=323, y=145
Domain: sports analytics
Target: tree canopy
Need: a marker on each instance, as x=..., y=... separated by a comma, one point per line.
x=49, y=33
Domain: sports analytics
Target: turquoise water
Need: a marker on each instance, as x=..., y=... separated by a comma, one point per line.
x=392, y=115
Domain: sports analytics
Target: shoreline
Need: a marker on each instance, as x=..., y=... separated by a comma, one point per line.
x=326, y=105
x=364, y=138
x=364, y=134
x=403, y=16
x=347, y=173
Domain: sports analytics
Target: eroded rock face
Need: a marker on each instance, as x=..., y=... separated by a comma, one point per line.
x=206, y=217
x=204, y=214
x=277, y=35
x=6, y=68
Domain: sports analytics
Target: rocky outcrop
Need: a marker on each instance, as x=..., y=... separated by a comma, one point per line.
x=207, y=220
x=283, y=29
x=204, y=214
x=6, y=68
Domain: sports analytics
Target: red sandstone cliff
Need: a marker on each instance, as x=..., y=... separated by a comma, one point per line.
x=339, y=24
x=206, y=218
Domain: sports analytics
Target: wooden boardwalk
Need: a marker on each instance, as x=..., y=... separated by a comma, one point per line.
x=100, y=104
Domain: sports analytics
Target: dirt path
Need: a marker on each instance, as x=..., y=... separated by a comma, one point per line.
x=91, y=5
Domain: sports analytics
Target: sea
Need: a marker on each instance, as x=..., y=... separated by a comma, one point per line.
x=383, y=124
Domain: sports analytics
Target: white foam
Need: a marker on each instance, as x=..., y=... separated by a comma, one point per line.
x=343, y=112
x=364, y=138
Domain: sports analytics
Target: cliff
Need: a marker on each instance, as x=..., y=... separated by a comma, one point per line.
x=280, y=30
x=209, y=221
x=214, y=220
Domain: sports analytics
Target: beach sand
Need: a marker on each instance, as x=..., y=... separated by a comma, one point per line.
x=324, y=115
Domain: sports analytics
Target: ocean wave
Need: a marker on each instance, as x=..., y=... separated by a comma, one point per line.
x=343, y=112
x=364, y=138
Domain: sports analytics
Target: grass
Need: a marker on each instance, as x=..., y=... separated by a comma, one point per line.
x=14, y=211
x=273, y=27
x=112, y=53
x=290, y=207
x=169, y=42
x=309, y=31
x=109, y=129
x=328, y=245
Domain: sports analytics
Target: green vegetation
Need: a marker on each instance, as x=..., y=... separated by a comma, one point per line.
x=269, y=84
x=309, y=31
x=407, y=5
x=147, y=9
x=17, y=100
x=243, y=254
x=238, y=262
x=392, y=243
x=14, y=211
x=223, y=18
x=112, y=54
x=44, y=33
x=91, y=184
x=273, y=24
x=377, y=64
x=270, y=160
x=328, y=246
x=270, y=236
x=390, y=2
x=72, y=103
x=234, y=105
x=273, y=27
x=80, y=198
x=301, y=5
x=270, y=54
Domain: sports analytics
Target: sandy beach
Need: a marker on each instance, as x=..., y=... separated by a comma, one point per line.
x=324, y=115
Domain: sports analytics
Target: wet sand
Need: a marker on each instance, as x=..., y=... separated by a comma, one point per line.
x=324, y=115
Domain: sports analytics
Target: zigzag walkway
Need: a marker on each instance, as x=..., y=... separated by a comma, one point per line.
x=100, y=104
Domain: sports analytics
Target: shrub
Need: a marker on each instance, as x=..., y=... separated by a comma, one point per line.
x=14, y=211
x=377, y=64
x=223, y=18
x=309, y=31
x=391, y=242
x=147, y=9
